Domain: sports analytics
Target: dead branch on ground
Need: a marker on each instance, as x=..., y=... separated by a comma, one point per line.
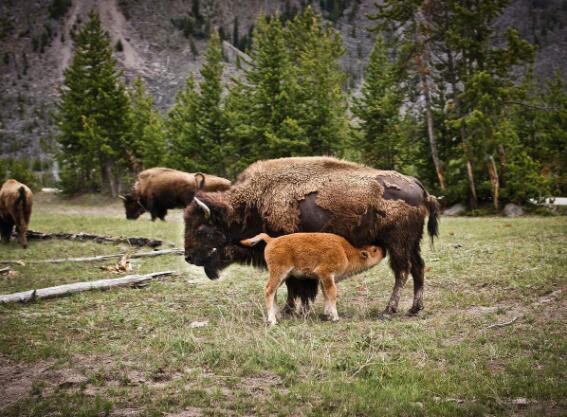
x=133, y=241
x=62, y=290
x=95, y=258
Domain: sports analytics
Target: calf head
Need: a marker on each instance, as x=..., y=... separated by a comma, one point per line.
x=371, y=255
x=207, y=234
x=133, y=206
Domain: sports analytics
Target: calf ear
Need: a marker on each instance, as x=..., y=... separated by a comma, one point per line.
x=364, y=254
x=199, y=181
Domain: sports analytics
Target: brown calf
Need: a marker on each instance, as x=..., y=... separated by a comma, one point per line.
x=324, y=256
x=15, y=210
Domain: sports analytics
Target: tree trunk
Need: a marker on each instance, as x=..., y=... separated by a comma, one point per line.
x=503, y=164
x=424, y=69
x=470, y=176
x=493, y=174
x=431, y=133
x=107, y=180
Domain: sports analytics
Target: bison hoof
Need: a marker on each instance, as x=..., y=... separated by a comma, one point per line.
x=414, y=310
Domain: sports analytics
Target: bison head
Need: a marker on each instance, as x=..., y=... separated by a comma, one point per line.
x=206, y=234
x=133, y=207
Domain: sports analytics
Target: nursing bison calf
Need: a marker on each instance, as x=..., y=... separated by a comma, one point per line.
x=160, y=189
x=323, y=256
x=15, y=210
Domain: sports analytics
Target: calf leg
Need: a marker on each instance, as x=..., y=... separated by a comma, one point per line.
x=277, y=276
x=330, y=293
x=417, y=273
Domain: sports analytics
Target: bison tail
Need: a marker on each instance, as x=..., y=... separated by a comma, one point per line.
x=256, y=239
x=21, y=199
x=433, y=221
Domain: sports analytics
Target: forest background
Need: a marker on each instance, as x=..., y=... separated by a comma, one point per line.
x=445, y=97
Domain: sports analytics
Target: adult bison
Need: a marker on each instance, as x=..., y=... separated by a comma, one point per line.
x=15, y=210
x=159, y=189
x=314, y=194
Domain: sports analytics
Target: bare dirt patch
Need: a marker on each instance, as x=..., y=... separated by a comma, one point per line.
x=20, y=380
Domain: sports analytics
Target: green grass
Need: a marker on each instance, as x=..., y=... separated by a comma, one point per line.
x=134, y=352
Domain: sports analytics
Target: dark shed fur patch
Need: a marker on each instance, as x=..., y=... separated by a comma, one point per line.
x=397, y=189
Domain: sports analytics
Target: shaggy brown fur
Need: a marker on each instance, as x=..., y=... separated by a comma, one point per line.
x=15, y=210
x=315, y=194
x=323, y=256
x=160, y=189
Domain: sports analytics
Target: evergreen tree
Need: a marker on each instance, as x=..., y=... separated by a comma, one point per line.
x=211, y=121
x=315, y=49
x=467, y=90
x=181, y=129
x=269, y=96
x=147, y=142
x=542, y=127
x=381, y=140
x=93, y=113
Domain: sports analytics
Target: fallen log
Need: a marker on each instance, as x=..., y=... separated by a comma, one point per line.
x=61, y=290
x=133, y=241
x=95, y=258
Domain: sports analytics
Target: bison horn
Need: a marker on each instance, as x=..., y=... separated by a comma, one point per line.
x=205, y=208
x=121, y=197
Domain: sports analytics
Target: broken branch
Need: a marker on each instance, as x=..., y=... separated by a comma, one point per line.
x=61, y=290
x=133, y=241
x=507, y=323
x=97, y=258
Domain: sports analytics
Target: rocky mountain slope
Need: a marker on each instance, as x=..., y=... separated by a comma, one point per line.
x=152, y=39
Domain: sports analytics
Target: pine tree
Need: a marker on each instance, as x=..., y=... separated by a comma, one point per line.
x=211, y=121
x=315, y=49
x=147, y=142
x=381, y=142
x=467, y=89
x=181, y=129
x=93, y=113
x=269, y=94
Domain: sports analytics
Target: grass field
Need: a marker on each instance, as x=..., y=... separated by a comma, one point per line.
x=130, y=352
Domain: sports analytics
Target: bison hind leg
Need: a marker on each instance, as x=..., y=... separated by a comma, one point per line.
x=6, y=227
x=400, y=264
x=304, y=289
x=418, y=275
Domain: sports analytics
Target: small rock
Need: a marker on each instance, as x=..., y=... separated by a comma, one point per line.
x=197, y=324
x=512, y=210
x=455, y=210
x=521, y=402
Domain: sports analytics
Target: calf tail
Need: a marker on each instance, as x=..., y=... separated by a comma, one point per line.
x=433, y=221
x=256, y=239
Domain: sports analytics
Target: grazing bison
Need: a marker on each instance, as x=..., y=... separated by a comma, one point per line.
x=323, y=256
x=314, y=194
x=160, y=189
x=15, y=210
